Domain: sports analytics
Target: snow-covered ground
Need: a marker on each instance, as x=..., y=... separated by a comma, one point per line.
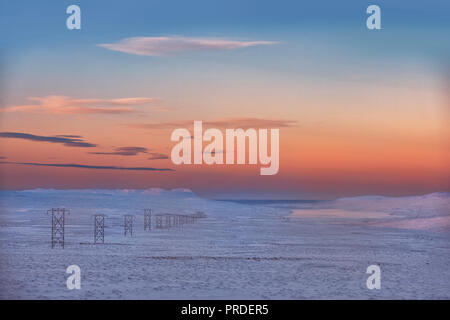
x=267, y=250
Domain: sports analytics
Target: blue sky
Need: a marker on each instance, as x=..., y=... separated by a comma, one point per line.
x=43, y=22
x=329, y=36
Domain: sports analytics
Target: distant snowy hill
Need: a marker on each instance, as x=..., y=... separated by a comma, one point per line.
x=429, y=205
x=429, y=211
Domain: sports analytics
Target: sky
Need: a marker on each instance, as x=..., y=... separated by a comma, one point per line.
x=359, y=111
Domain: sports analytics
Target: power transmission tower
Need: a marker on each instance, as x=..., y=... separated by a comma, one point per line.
x=147, y=219
x=58, y=224
x=128, y=224
x=159, y=219
x=168, y=220
x=99, y=228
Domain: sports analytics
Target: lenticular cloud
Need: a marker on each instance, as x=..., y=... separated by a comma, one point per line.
x=161, y=46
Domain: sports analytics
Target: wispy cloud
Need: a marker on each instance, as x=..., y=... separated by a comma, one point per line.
x=84, y=166
x=124, y=151
x=231, y=123
x=162, y=46
x=67, y=140
x=67, y=105
x=157, y=156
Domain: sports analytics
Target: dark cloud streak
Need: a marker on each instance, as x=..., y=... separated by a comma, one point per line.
x=157, y=156
x=243, y=123
x=124, y=151
x=67, y=140
x=84, y=166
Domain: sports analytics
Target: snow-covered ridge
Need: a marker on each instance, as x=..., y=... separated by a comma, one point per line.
x=429, y=205
x=97, y=200
x=102, y=191
x=430, y=211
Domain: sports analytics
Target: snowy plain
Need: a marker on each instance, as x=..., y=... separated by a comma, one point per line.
x=241, y=250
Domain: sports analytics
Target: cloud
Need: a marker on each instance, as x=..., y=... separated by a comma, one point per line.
x=67, y=105
x=157, y=156
x=67, y=140
x=124, y=151
x=162, y=46
x=230, y=123
x=84, y=166
x=68, y=136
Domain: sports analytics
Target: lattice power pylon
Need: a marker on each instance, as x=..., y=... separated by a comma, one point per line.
x=147, y=219
x=168, y=221
x=58, y=224
x=159, y=220
x=128, y=224
x=99, y=228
